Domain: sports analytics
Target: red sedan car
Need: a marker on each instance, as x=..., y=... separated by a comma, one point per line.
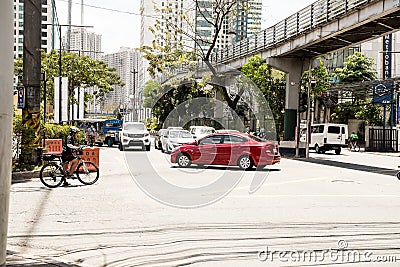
x=228, y=148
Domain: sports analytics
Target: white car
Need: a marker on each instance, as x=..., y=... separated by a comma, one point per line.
x=175, y=138
x=201, y=131
x=134, y=134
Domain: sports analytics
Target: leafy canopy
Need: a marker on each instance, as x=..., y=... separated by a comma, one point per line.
x=82, y=71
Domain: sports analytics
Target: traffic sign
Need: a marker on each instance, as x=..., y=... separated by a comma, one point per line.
x=21, y=97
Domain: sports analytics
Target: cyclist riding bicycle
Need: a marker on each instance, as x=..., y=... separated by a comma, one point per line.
x=91, y=135
x=353, y=139
x=68, y=154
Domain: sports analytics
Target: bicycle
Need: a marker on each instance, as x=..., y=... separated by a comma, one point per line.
x=354, y=146
x=52, y=174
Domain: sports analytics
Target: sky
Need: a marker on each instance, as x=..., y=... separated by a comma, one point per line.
x=121, y=27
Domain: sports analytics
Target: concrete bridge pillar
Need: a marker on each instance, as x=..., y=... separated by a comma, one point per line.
x=293, y=67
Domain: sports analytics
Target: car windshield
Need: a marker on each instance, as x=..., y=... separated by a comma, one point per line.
x=180, y=134
x=256, y=138
x=206, y=131
x=135, y=127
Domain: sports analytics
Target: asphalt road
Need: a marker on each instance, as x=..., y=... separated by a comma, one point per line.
x=332, y=209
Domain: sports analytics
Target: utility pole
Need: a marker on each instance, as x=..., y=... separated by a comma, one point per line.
x=6, y=111
x=31, y=79
x=68, y=45
x=134, y=72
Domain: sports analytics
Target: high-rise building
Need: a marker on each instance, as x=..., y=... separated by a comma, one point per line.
x=244, y=21
x=126, y=64
x=47, y=28
x=85, y=43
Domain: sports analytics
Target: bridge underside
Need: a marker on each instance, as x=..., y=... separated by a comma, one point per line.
x=345, y=37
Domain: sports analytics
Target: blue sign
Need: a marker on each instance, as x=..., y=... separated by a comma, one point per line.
x=21, y=97
x=383, y=93
x=387, y=57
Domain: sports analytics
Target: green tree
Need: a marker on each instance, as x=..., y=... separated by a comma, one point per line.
x=172, y=45
x=166, y=98
x=320, y=76
x=82, y=71
x=150, y=93
x=271, y=83
x=357, y=68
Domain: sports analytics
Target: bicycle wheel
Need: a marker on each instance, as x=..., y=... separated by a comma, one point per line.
x=87, y=172
x=357, y=148
x=52, y=174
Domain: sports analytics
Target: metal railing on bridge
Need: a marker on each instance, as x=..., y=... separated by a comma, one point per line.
x=309, y=18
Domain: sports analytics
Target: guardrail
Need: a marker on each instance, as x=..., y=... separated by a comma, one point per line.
x=309, y=18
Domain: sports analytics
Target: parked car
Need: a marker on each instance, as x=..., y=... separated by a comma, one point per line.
x=158, y=138
x=201, y=131
x=327, y=136
x=175, y=138
x=228, y=148
x=134, y=134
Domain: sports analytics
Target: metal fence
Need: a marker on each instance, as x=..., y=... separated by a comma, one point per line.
x=311, y=17
x=383, y=140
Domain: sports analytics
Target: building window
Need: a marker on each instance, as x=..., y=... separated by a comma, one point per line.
x=44, y=42
x=21, y=8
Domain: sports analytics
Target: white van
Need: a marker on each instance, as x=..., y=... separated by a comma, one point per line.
x=327, y=136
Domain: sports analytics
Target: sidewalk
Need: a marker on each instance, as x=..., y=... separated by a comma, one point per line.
x=15, y=259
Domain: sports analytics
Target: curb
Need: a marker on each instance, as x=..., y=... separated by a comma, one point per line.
x=15, y=259
x=25, y=175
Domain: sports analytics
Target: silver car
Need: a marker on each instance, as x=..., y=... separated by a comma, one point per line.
x=175, y=138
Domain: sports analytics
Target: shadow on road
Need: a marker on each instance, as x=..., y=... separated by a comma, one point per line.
x=229, y=168
x=352, y=166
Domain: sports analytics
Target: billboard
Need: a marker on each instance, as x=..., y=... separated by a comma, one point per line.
x=60, y=99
